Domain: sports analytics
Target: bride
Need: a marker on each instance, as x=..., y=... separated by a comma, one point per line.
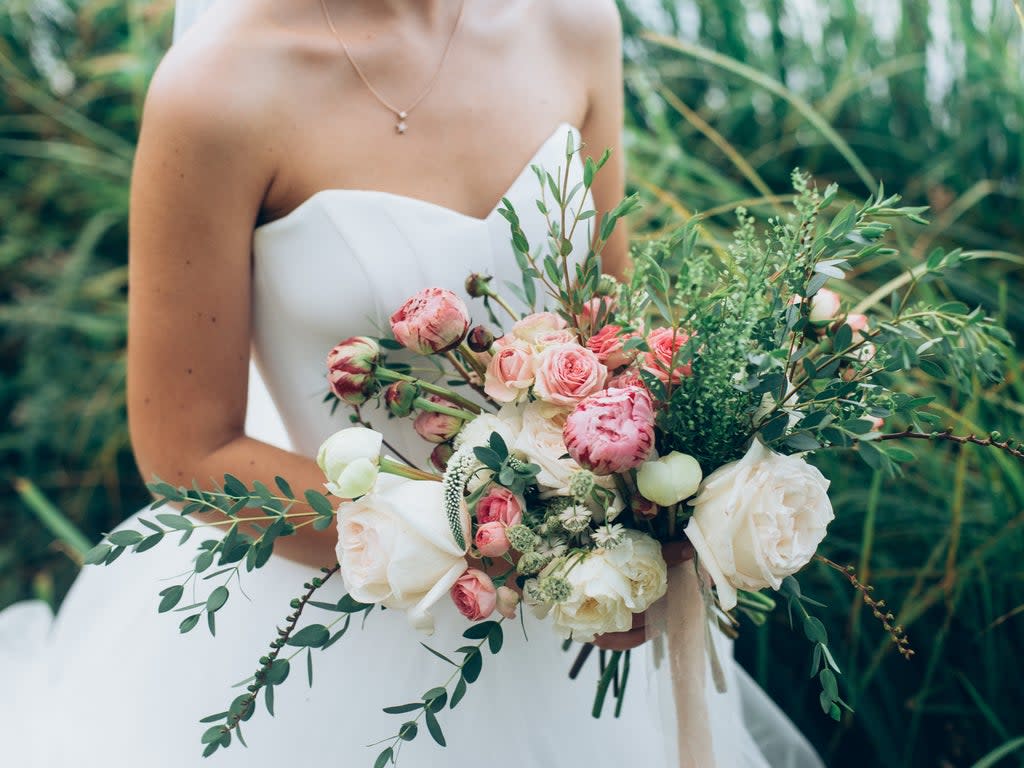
x=304, y=167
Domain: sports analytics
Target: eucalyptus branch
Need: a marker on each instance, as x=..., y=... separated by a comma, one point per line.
x=1012, y=447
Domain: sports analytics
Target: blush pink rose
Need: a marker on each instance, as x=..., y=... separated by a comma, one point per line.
x=491, y=539
x=509, y=373
x=612, y=431
x=551, y=338
x=567, y=373
x=607, y=344
x=434, y=320
x=664, y=344
x=474, y=595
x=628, y=378
x=508, y=599
x=499, y=505
x=437, y=427
x=539, y=323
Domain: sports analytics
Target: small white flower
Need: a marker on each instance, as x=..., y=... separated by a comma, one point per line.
x=575, y=519
x=609, y=536
x=552, y=547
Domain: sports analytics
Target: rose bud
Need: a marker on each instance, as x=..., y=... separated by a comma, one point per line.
x=507, y=600
x=664, y=344
x=350, y=367
x=437, y=427
x=670, y=479
x=499, y=505
x=824, y=307
x=440, y=455
x=612, y=431
x=434, y=320
x=400, y=396
x=480, y=339
x=491, y=539
x=608, y=343
x=478, y=286
x=474, y=595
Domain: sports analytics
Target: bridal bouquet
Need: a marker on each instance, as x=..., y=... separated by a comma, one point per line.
x=575, y=439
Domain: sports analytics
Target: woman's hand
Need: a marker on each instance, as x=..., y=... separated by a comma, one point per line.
x=675, y=553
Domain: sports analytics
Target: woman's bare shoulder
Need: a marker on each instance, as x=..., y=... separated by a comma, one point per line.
x=592, y=27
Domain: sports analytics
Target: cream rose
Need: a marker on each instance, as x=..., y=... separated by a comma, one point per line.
x=608, y=587
x=757, y=520
x=396, y=549
x=540, y=441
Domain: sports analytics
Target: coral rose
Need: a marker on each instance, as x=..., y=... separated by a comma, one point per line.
x=608, y=343
x=474, y=595
x=665, y=344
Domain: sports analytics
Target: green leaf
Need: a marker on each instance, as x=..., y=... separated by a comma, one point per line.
x=149, y=542
x=434, y=727
x=497, y=443
x=211, y=623
x=401, y=709
x=286, y=489
x=213, y=733
x=495, y=638
x=278, y=671
x=439, y=655
x=436, y=704
x=488, y=458
x=234, y=487
x=349, y=604
x=815, y=630
x=178, y=522
x=97, y=554
x=458, y=693
x=472, y=666
x=312, y=636
x=383, y=758
x=408, y=731
x=829, y=684
x=479, y=631
x=171, y=597
x=125, y=538
x=189, y=623
x=268, y=699
x=217, y=598
x=320, y=503
x=204, y=561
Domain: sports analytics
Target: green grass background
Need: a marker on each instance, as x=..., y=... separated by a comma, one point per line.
x=724, y=98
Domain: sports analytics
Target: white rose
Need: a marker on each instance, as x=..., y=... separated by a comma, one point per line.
x=608, y=587
x=350, y=458
x=477, y=433
x=669, y=479
x=395, y=547
x=757, y=520
x=541, y=442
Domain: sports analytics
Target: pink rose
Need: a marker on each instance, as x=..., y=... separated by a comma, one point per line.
x=628, y=378
x=508, y=599
x=474, y=595
x=665, y=344
x=612, y=431
x=437, y=427
x=537, y=324
x=510, y=372
x=350, y=367
x=434, y=320
x=596, y=312
x=491, y=539
x=551, y=338
x=607, y=345
x=567, y=373
x=499, y=505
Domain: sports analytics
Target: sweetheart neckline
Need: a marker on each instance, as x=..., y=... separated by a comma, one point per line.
x=335, y=191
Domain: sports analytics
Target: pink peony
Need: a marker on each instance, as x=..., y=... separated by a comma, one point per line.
x=607, y=345
x=434, y=320
x=474, y=595
x=539, y=323
x=491, y=539
x=350, y=367
x=612, y=431
x=499, y=505
x=508, y=599
x=665, y=344
x=437, y=427
x=567, y=373
x=510, y=372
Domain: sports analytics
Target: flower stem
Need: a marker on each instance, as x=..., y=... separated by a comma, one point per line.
x=386, y=374
x=392, y=467
x=429, y=405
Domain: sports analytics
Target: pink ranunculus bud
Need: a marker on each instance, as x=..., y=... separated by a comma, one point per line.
x=350, y=368
x=664, y=344
x=608, y=343
x=824, y=307
x=474, y=595
x=537, y=324
x=510, y=371
x=434, y=320
x=437, y=427
x=491, y=539
x=567, y=373
x=508, y=600
x=612, y=431
x=400, y=396
x=499, y=505
x=440, y=455
x=480, y=339
x=596, y=312
x=478, y=286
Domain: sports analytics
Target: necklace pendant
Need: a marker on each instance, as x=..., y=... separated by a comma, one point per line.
x=401, y=126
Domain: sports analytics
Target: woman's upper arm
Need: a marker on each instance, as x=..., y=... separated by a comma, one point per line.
x=197, y=188
x=602, y=128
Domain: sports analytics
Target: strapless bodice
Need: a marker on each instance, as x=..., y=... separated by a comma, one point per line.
x=344, y=260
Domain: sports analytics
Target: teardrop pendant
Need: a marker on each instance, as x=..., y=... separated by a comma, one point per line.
x=401, y=126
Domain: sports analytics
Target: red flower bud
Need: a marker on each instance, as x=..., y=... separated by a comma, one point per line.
x=480, y=339
x=350, y=368
x=478, y=286
x=440, y=455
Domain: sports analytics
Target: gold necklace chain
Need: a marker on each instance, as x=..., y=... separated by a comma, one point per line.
x=401, y=114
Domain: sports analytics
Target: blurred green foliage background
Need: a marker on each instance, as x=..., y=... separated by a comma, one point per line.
x=724, y=98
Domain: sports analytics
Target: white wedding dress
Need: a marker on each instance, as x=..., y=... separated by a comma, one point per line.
x=111, y=683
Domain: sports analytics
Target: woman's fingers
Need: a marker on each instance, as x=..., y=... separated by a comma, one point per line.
x=677, y=552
